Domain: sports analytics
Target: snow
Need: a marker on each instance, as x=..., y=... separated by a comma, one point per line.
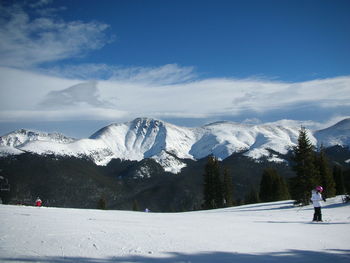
x=169, y=162
x=150, y=138
x=7, y=150
x=22, y=136
x=268, y=232
x=337, y=134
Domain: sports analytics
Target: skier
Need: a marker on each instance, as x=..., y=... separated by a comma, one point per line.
x=38, y=202
x=316, y=199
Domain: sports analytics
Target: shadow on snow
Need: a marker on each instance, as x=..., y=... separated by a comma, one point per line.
x=290, y=256
x=303, y=222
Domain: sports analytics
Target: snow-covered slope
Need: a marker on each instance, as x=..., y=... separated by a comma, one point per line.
x=20, y=137
x=269, y=232
x=168, y=144
x=338, y=134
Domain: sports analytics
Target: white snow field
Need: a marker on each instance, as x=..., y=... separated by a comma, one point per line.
x=268, y=232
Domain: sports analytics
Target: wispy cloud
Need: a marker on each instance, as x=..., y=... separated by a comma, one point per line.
x=34, y=95
x=111, y=92
x=161, y=75
x=82, y=93
x=29, y=41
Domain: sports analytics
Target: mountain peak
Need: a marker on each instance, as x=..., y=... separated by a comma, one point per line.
x=151, y=138
x=338, y=134
x=343, y=124
x=23, y=136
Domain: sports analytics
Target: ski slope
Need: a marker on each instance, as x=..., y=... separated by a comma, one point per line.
x=269, y=232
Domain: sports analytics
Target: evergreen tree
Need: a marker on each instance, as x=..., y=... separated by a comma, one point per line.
x=266, y=185
x=102, y=204
x=252, y=197
x=228, y=188
x=218, y=187
x=213, y=194
x=208, y=191
x=135, y=206
x=272, y=186
x=282, y=192
x=325, y=175
x=338, y=176
x=306, y=173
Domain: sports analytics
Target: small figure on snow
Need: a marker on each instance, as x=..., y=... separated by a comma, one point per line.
x=147, y=210
x=316, y=199
x=38, y=202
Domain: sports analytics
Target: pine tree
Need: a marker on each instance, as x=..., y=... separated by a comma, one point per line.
x=266, y=185
x=213, y=194
x=306, y=173
x=325, y=175
x=218, y=187
x=227, y=188
x=208, y=191
x=252, y=197
x=135, y=206
x=102, y=204
x=282, y=192
x=272, y=187
x=338, y=176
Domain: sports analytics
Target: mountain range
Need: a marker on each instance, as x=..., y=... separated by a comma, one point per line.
x=169, y=144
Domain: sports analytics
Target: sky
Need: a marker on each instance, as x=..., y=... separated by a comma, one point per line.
x=76, y=66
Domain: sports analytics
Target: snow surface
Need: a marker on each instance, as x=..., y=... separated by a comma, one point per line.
x=22, y=136
x=337, y=134
x=268, y=232
x=149, y=138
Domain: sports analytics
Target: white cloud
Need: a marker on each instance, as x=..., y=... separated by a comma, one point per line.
x=36, y=96
x=29, y=41
x=162, y=75
x=82, y=93
x=66, y=114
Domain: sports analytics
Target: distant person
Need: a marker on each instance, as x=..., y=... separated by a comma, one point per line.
x=38, y=202
x=146, y=210
x=316, y=199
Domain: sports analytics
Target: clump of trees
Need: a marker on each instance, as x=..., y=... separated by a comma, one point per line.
x=338, y=175
x=218, y=190
x=312, y=169
x=273, y=187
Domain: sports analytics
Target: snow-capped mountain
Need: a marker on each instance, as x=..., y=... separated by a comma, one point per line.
x=14, y=142
x=168, y=144
x=22, y=136
x=338, y=134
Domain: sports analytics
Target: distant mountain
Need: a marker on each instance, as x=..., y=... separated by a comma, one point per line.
x=15, y=142
x=169, y=144
x=20, y=137
x=338, y=134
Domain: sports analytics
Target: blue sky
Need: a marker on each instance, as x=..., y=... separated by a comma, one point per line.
x=287, y=40
x=74, y=66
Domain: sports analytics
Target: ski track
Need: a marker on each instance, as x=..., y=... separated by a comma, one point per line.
x=269, y=232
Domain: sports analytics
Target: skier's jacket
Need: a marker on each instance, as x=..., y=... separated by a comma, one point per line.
x=38, y=202
x=316, y=198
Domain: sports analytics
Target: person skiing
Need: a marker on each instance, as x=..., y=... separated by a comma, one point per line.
x=316, y=199
x=38, y=202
